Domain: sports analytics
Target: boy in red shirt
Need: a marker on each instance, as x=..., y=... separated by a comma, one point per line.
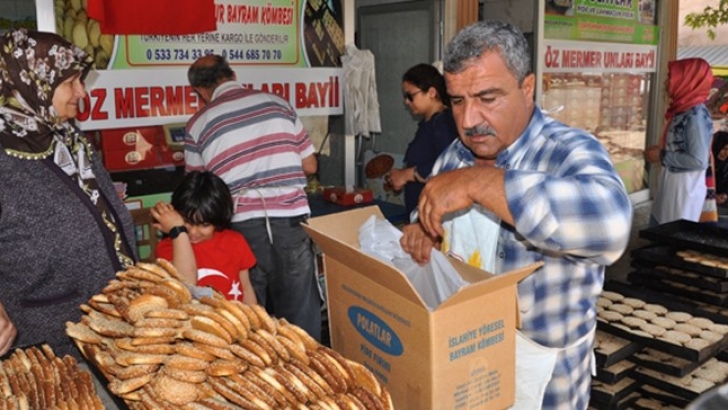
x=199, y=243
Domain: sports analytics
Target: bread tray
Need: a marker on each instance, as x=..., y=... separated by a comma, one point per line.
x=690, y=235
x=673, y=366
x=669, y=302
x=699, y=280
x=667, y=256
x=668, y=285
x=612, y=394
x=615, y=372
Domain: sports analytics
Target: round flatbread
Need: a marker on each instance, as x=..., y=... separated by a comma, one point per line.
x=691, y=330
x=697, y=343
x=700, y=322
x=633, y=302
x=675, y=337
x=613, y=296
x=719, y=328
x=679, y=317
x=633, y=322
x=654, y=308
x=653, y=329
x=644, y=314
x=610, y=316
x=710, y=336
x=603, y=302
x=621, y=308
x=664, y=322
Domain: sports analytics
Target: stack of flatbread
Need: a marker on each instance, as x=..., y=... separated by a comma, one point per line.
x=161, y=348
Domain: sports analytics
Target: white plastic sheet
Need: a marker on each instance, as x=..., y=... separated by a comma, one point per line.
x=434, y=282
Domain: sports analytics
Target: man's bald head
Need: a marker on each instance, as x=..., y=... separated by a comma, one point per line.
x=209, y=71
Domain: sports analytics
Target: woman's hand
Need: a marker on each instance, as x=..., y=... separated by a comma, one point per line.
x=7, y=331
x=166, y=217
x=398, y=178
x=652, y=154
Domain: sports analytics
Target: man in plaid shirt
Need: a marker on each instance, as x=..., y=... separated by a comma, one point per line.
x=519, y=187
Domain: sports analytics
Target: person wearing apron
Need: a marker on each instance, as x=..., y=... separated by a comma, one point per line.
x=684, y=150
x=516, y=188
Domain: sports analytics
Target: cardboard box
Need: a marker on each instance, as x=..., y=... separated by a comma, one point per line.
x=461, y=355
x=340, y=196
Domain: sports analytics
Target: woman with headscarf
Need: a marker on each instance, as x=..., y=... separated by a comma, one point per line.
x=63, y=230
x=720, y=156
x=685, y=145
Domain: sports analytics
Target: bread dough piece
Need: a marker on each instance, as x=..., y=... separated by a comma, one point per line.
x=675, y=337
x=653, y=329
x=644, y=314
x=613, y=296
x=610, y=316
x=603, y=302
x=679, y=317
x=719, y=328
x=664, y=322
x=710, y=336
x=701, y=322
x=654, y=308
x=621, y=308
x=633, y=302
x=633, y=322
x=698, y=343
x=691, y=330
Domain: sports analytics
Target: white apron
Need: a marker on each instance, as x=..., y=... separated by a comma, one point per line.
x=534, y=367
x=680, y=195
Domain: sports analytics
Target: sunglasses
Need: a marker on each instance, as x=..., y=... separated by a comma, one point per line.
x=409, y=96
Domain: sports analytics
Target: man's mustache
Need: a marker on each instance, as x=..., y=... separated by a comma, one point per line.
x=483, y=130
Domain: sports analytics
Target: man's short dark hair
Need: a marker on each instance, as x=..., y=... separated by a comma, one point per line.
x=208, y=71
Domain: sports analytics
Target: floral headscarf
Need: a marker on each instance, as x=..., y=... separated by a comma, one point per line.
x=32, y=65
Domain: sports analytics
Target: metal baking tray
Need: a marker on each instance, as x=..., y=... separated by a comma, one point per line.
x=658, y=380
x=615, y=372
x=675, y=366
x=607, y=358
x=664, y=397
x=700, y=280
x=669, y=302
x=610, y=395
x=691, y=235
x=666, y=255
x=667, y=285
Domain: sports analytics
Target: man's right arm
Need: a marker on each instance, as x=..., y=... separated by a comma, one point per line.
x=7, y=331
x=418, y=243
x=309, y=164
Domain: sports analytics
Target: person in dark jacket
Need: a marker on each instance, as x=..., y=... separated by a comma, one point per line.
x=64, y=232
x=425, y=94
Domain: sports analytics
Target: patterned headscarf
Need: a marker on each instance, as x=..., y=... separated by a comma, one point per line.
x=689, y=84
x=32, y=65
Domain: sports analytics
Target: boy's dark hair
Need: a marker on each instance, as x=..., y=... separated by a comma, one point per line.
x=202, y=197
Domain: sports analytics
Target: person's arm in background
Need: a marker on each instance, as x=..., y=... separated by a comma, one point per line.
x=309, y=164
x=183, y=257
x=248, y=291
x=7, y=331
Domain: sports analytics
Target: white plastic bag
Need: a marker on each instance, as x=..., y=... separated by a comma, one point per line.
x=434, y=282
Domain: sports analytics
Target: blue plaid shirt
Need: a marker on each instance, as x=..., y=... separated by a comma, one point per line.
x=572, y=212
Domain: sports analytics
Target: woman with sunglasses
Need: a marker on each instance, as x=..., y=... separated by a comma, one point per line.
x=426, y=97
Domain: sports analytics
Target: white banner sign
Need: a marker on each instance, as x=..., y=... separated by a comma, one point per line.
x=136, y=98
x=561, y=56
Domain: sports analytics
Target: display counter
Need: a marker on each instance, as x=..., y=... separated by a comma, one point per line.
x=396, y=214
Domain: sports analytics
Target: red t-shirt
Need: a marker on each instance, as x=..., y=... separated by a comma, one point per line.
x=219, y=261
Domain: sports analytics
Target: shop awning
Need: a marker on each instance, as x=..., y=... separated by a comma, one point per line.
x=715, y=55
